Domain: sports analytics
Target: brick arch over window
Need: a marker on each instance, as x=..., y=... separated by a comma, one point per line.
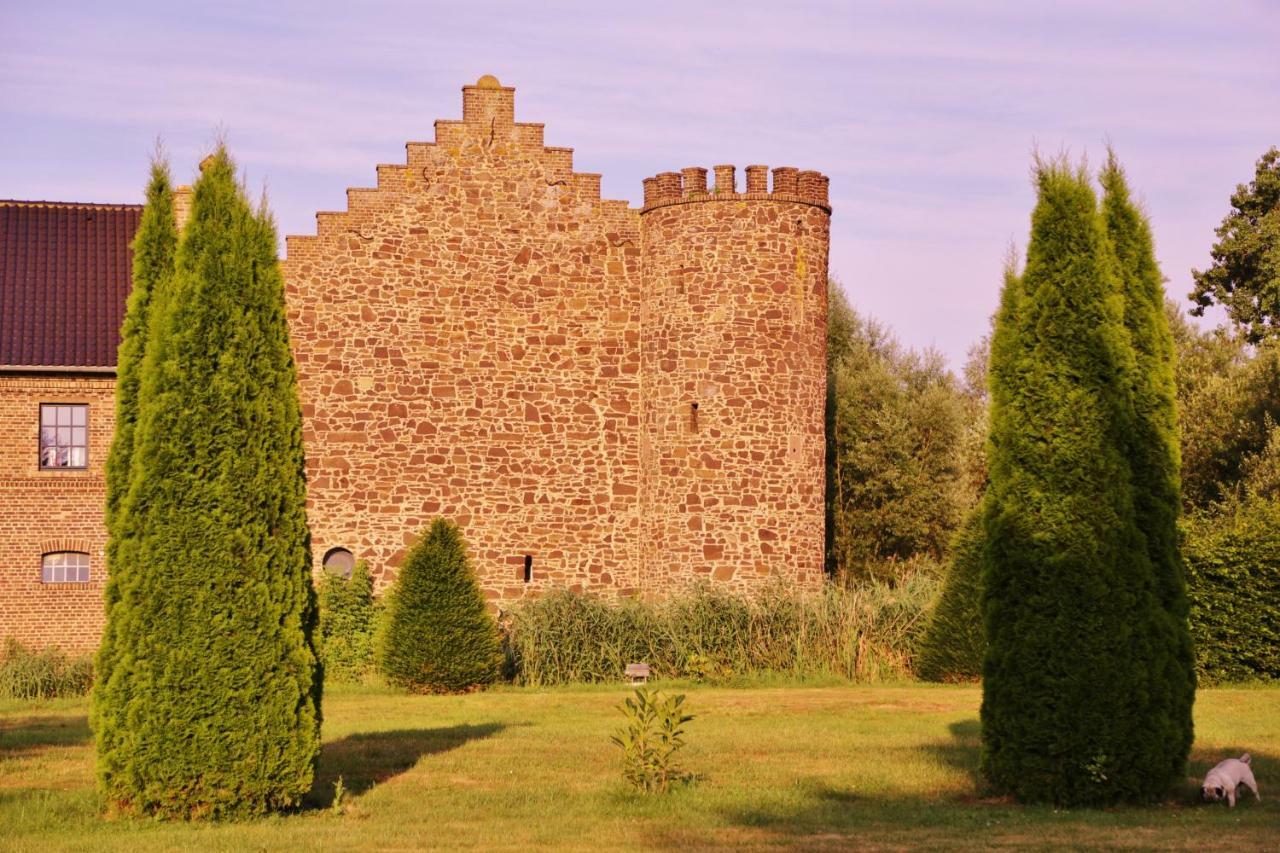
x=53, y=546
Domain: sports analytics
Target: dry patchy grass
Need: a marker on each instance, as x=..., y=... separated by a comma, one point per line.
x=814, y=768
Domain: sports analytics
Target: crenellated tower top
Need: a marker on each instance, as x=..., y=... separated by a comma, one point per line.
x=690, y=185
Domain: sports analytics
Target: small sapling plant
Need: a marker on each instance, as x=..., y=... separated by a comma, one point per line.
x=653, y=734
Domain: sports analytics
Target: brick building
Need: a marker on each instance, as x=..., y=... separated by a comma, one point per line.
x=64, y=276
x=604, y=397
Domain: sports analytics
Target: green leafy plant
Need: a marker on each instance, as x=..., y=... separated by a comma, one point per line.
x=650, y=740
x=702, y=667
x=339, y=797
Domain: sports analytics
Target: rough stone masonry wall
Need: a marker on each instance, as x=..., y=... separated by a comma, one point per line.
x=470, y=343
x=44, y=511
x=467, y=341
x=734, y=381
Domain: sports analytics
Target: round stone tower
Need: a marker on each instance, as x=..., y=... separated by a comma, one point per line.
x=733, y=377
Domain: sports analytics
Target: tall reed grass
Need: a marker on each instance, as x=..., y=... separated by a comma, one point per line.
x=45, y=674
x=863, y=632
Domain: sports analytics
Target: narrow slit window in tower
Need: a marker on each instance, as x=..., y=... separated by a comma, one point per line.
x=693, y=417
x=528, y=567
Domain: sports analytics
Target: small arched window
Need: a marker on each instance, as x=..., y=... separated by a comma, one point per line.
x=65, y=567
x=340, y=562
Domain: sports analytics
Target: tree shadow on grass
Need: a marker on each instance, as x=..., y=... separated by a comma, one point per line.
x=963, y=752
x=365, y=760
x=824, y=816
x=21, y=737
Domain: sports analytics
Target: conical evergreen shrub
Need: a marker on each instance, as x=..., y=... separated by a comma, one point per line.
x=954, y=641
x=439, y=637
x=1154, y=457
x=1070, y=605
x=153, y=251
x=213, y=705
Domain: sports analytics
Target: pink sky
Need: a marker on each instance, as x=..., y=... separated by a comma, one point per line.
x=924, y=115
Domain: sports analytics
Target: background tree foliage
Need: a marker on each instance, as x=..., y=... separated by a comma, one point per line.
x=1229, y=399
x=212, y=705
x=1245, y=274
x=902, y=439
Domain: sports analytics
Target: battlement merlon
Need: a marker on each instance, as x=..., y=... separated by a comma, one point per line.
x=690, y=185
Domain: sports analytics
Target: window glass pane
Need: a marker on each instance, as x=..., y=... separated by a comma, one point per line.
x=62, y=428
x=65, y=567
x=339, y=561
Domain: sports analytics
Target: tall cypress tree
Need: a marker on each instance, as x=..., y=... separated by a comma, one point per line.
x=153, y=252
x=1069, y=593
x=212, y=706
x=1155, y=460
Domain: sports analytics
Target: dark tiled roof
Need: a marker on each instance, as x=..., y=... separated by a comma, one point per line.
x=64, y=276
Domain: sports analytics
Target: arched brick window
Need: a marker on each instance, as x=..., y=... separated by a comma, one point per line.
x=64, y=567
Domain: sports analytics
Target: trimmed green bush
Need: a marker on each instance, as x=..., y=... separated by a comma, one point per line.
x=348, y=614
x=46, y=674
x=863, y=632
x=954, y=643
x=1233, y=566
x=1076, y=648
x=440, y=636
x=212, y=705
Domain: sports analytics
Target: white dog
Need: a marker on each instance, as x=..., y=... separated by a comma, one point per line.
x=1223, y=780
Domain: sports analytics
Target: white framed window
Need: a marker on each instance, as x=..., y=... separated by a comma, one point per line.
x=65, y=567
x=64, y=435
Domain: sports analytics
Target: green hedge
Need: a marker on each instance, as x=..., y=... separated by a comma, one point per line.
x=1233, y=577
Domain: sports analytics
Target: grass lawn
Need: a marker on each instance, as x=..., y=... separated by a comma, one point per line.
x=805, y=767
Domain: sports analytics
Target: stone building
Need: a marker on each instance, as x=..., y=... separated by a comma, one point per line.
x=604, y=397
